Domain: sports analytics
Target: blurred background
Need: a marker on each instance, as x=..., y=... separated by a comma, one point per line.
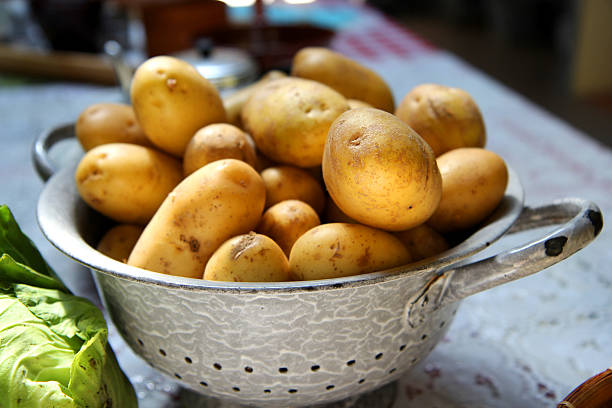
x=557, y=53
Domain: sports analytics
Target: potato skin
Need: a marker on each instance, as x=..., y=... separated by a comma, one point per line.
x=118, y=242
x=223, y=199
x=103, y=123
x=447, y=118
x=126, y=182
x=289, y=119
x=474, y=181
x=337, y=250
x=423, y=242
x=347, y=76
x=287, y=183
x=379, y=171
x=215, y=142
x=248, y=258
x=286, y=221
x=172, y=101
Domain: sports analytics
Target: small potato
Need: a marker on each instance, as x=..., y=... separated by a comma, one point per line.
x=291, y=183
x=118, y=242
x=473, y=184
x=355, y=103
x=248, y=258
x=126, y=182
x=172, y=101
x=447, y=118
x=103, y=123
x=286, y=221
x=345, y=75
x=289, y=119
x=335, y=214
x=423, y=242
x=215, y=142
x=338, y=250
x=219, y=201
x=379, y=171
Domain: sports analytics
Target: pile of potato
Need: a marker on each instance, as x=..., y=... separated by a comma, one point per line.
x=309, y=175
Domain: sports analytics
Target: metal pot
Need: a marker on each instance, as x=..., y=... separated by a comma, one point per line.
x=303, y=343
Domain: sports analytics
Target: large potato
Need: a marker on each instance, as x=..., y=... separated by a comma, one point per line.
x=291, y=183
x=473, y=184
x=379, y=171
x=215, y=142
x=172, y=101
x=286, y=221
x=347, y=76
x=126, y=182
x=248, y=258
x=337, y=250
x=218, y=201
x=447, y=118
x=103, y=123
x=289, y=119
x=118, y=242
x=423, y=241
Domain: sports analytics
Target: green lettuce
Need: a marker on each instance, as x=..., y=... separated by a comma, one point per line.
x=54, y=349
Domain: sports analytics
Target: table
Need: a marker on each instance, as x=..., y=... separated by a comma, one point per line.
x=526, y=343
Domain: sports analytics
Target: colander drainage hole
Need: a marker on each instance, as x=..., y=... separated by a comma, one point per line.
x=402, y=347
x=378, y=356
x=162, y=352
x=350, y=362
x=283, y=370
x=361, y=381
x=423, y=337
x=217, y=366
x=315, y=367
x=188, y=360
x=203, y=383
x=267, y=391
x=236, y=389
x=248, y=369
x=330, y=387
x=391, y=371
x=442, y=324
x=140, y=342
x=177, y=376
x=292, y=391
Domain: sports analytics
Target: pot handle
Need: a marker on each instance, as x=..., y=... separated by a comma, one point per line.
x=42, y=146
x=582, y=223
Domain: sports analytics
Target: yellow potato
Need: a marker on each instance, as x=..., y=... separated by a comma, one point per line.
x=248, y=258
x=289, y=119
x=215, y=142
x=103, y=123
x=234, y=102
x=118, y=242
x=356, y=103
x=335, y=214
x=291, y=183
x=286, y=221
x=379, y=171
x=423, y=242
x=337, y=250
x=223, y=199
x=126, y=182
x=345, y=75
x=473, y=184
x=447, y=118
x=173, y=101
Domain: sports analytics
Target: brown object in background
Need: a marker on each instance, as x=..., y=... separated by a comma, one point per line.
x=596, y=392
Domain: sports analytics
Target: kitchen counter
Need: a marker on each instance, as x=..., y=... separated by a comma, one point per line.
x=526, y=343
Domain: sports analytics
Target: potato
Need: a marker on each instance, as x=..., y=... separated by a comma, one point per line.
x=223, y=199
x=289, y=119
x=215, y=142
x=248, y=258
x=103, y=123
x=118, y=242
x=447, y=118
x=335, y=214
x=126, y=182
x=287, y=183
x=423, y=242
x=337, y=250
x=286, y=221
x=172, y=101
x=473, y=184
x=355, y=103
x=234, y=102
x=379, y=171
x=347, y=76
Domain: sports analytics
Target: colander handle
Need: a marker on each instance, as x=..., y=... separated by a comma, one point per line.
x=582, y=221
x=44, y=165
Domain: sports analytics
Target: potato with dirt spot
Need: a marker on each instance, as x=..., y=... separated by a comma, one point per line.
x=248, y=258
x=118, y=242
x=173, y=101
x=379, y=171
x=292, y=183
x=423, y=242
x=474, y=181
x=345, y=75
x=126, y=182
x=336, y=250
x=286, y=221
x=104, y=123
x=447, y=118
x=215, y=142
x=289, y=119
x=221, y=200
